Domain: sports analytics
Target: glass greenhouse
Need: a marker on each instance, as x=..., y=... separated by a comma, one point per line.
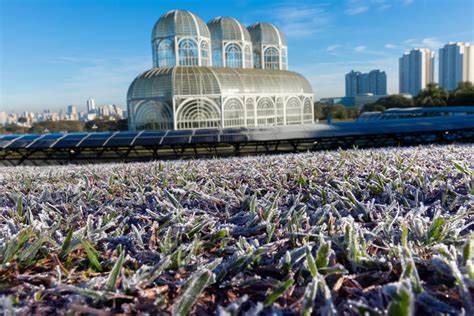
x=217, y=75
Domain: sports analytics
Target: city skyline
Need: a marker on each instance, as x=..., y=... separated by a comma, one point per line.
x=64, y=63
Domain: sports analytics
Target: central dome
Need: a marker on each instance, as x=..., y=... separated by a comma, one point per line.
x=179, y=23
x=228, y=29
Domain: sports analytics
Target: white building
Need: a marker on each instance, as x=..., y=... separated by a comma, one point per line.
x=456, y=64
x=3, y=118
x=416, y=70
x=91, y=106
x=243, y=83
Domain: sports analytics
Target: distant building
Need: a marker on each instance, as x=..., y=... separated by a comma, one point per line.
x=374, y=82
x=352, y=83
x=71, y=109
x=416, y=70
x=456, y=64
x=367, y=98
x=91, y=106
x=3, y=118
x=346, y=101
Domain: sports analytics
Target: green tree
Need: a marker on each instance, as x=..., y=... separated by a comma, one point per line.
x=463, y=95
x=388, y=102
x=432, y=95
x=56, y=127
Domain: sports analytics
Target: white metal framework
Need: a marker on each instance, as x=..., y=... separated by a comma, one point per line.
x=206, y=97
x=219, y=75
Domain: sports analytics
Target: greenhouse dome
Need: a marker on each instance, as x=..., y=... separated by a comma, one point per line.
x=269, y=46
x=219, y=75
x=180, y=38
x=231, y=43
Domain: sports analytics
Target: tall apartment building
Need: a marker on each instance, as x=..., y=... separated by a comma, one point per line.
x=91, y=106
x=374, y=82
x=456, y=64
x=416, y=70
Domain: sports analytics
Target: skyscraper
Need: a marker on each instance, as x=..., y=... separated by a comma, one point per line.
x=416, y=70
x=374, y=82
x=456, y=64
x=352, y=83
x=91, y=106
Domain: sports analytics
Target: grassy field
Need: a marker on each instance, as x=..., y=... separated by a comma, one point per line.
x=376, y=232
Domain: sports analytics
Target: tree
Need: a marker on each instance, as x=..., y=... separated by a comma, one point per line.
x=432, y=95
x=57, y=127
x=463, y=95
x=391, y=101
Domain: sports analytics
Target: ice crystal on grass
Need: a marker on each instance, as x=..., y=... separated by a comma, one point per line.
x=378, y=232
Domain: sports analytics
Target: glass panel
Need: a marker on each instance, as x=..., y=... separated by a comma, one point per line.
x=205, y=60
x=272, y=58
x=233, y=56
x=188, y=53
x=166, y=57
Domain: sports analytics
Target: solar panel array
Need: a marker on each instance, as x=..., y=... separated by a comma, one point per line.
x=237, y=135
x=121, y=139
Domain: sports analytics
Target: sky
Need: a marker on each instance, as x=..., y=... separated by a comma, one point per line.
x=59, y=52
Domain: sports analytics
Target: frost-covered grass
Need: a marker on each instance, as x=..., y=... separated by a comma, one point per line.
x=384, y=231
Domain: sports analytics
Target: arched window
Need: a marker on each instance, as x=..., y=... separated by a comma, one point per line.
x=250, y=109
x=272, y=58
x=308, y=112
x=265, y=112
x=284, y=59
x=188, y=53
x=234, y=115
x=293, y=111
x=199, y=113
x=248, y=57
x=205, y=60
x=153, y=115
x=233, y=56
x=165, y=56
x=280, y=111
x=256, y=59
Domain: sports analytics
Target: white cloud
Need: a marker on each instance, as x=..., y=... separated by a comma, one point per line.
x=360, y=48
x=355, y=7
x=427, y=42
x=299, y=20
x=354, y=10
x=390, y=46
x=332, y=48
x=431, y=42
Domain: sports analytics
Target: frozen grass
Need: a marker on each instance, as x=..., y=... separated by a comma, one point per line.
x=385, y=231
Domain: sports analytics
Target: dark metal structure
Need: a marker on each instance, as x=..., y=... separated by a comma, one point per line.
x=171, y=144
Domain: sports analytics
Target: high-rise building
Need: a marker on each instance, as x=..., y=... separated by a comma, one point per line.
x=71, y=109
x=3, y=118
x=456, y=64
x=416, y=70
x=91, y=106
x=352, y=83
x=374, y=82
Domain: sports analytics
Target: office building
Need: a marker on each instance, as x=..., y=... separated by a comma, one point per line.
x=416, y=70
x=456, y=64
x=374, y=82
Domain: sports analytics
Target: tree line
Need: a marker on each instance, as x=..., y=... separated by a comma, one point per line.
x=97, y=125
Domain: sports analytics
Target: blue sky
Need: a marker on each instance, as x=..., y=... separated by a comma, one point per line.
x=59, y=52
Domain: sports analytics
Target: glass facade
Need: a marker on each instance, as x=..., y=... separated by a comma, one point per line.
x=217, y=75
